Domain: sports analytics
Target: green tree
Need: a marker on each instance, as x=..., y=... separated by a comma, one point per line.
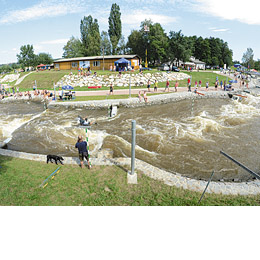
x=105, y=43
x=257, y=64
x=202, y=50
x=26, y=57
x=115, y=26
x=73, y=48
x=5, y=68
x=158, y=44
x=44, y=58
x=248, y=58
x=178, y=47
x=90, y=36
x=136, y=44
x=122, y=47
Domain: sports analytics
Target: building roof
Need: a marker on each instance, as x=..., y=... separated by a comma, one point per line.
x=97, y=58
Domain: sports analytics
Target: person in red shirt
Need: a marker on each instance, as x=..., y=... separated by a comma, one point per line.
x=167, y=86
x=189, y=85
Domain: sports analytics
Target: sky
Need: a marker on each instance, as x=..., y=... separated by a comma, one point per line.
x=49, y=24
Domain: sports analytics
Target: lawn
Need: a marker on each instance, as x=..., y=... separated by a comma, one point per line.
x=46, y=79
x=102, y=185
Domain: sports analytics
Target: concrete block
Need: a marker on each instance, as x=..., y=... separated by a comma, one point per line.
x=131, y=179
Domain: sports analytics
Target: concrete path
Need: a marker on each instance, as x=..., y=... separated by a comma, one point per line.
x=22, y=78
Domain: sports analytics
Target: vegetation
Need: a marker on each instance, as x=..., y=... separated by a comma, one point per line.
x=248, y=58
x=90, y=36
x=102, y=185
x=73, y=48
x=115, y=27
x=27, y=58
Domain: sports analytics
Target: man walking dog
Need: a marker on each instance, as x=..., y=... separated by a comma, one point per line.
x=83, y=151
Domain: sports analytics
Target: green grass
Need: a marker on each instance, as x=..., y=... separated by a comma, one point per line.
x=46, y=79
x=102, y=185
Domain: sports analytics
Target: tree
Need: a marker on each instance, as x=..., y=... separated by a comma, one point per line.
x=26, y=57
x=178, y=47
x=136, y=43
x=44, y=58
x=202, y=50
x=73, y=48
x=257, y=64
x=248, y=58
x=90, y=36
x=105, y=43
x=5, y=68
x=122, y=47
x=115, y=27
x=158, y=44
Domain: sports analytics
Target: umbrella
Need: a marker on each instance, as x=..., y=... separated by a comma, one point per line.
x=67, y=87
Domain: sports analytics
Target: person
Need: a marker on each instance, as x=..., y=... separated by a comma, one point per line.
x=148, y=85
x=216, y=85
x=189, y=85
x=111, y=89
x=60, y=93
x=167, y=86
x=207, y=86
x=196, y=84
x=200, y=82
x=221, y=84
x=176, y=86
x=145, y=97
x=155, y=86
x=83, y=151
x=139, y=96
x=84, y=121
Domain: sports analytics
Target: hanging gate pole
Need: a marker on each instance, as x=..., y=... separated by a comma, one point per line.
x=241, y=165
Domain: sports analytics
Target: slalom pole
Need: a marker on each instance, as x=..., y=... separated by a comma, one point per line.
x=200, y=93
x=43, y=185
x=210, y=179
x=88, y=146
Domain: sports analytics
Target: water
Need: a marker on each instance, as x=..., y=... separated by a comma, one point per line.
x=168, y=136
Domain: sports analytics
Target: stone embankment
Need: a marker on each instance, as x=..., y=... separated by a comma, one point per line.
x=134, y=102
x=248, y=188
x=122, y=80
x=10, y=78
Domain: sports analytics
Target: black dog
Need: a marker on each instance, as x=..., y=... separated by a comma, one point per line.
x=51, y=158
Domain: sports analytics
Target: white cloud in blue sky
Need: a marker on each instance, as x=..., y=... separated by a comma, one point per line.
x=48, y=24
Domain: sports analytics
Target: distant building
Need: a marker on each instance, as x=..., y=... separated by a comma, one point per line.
x=192, y=63
x=96, y=62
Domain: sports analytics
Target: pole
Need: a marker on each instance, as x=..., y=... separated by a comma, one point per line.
x=103, y=60
x=241, y=165
x=133, y=147
x=130, y=85
x=146, y=63
x=210, y=179
x=35, y=84
x=54, y=91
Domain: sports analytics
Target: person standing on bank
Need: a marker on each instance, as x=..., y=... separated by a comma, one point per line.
x=167, y=86
x=148, y=85
x=83, y=151
x=155, y=86
x=111, y=92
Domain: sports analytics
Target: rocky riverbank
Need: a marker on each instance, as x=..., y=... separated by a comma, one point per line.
x=122, y=80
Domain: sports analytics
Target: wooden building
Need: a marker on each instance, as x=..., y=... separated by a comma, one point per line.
x=95, y=62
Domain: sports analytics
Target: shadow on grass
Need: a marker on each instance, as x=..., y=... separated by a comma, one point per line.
x=3, y=164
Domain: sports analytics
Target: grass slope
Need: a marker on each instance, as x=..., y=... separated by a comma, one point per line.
x=102, y=185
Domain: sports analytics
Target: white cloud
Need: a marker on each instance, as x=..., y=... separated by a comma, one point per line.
x=242, y=11
x=44, y=9
x=136, y=17
x=219, y=30
x=58, y=41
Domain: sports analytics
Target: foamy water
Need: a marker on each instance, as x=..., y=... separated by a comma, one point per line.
x=171, y=136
